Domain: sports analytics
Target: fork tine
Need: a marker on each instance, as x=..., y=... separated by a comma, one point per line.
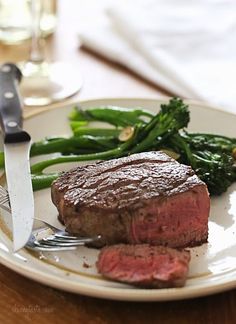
x=59, y=244
x=48, y=248
x=35, y=245
x=61, y=241
x=56, y=232
x=3, y=200
x=3, y=190
x=65, y=239
x=53, y=238
x=66, y=235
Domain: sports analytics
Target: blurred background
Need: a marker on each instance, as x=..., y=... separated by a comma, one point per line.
x=169, y=47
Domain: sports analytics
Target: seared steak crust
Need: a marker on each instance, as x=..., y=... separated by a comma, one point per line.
x=144, y=265
x=143, y=198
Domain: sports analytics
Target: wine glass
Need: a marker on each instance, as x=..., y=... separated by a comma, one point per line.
x=44, y=83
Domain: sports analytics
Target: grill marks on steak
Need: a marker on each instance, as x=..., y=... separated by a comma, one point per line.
x=144, y=198
x=144, y=265
x=127, y=177
x=98, y=172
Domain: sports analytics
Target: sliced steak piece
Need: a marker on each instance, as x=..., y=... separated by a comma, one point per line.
x=143, y=198
x=144, y=265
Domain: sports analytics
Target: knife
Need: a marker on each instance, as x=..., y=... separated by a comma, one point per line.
x=16, y=151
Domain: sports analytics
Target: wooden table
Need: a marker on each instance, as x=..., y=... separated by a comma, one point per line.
x=25, y=301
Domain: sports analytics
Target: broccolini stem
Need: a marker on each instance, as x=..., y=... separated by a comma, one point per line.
x=116, y=116
x=2, y=161
x=42, y=181
x=119, y=151
x=40, y=166
x=73, y=145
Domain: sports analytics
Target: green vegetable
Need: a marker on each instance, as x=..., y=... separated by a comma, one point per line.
x=74, y=145
x=214, y=143
x=169, y=120
x=116, y=116
x=211, y=156
x=121, y=150
x=42, y=181
x=218, y=171
x=2, y=160
x=103, y=132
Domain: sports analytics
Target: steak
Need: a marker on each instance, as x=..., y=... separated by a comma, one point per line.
x=144, y=265
x=143, y=198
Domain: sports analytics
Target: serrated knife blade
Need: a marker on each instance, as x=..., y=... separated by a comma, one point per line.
x=16, y=153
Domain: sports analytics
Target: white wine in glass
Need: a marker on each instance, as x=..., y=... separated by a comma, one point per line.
x=44, y=83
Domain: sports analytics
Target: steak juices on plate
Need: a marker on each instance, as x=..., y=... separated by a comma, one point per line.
x=143, y=198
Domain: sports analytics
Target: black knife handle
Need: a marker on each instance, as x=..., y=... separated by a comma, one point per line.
x=11, y=105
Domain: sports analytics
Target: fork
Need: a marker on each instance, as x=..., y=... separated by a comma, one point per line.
x=57, y=240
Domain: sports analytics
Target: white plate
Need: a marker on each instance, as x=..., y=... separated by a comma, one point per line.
x=212, y=267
